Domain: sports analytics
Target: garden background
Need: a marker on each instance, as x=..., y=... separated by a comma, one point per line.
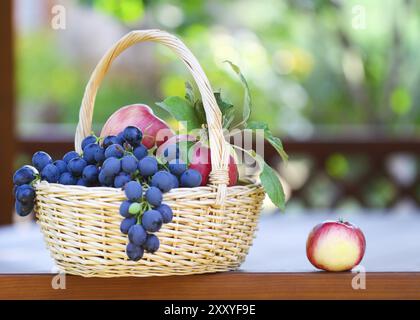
x=337, y=80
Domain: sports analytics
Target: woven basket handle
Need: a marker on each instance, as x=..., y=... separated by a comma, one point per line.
x=219, y=149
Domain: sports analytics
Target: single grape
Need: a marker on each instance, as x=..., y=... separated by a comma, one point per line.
x=175, y=181
x=166, y=212
x=129, y=163
x=135, y=208
x=105, y=180
x=132, y=135
x=25, y=194
x=76, y=166
x=24, y=175
x=109, y=140
x=154, y=196
x=40, y=159
x=148, y=166
x=137, y=234
x=134, y=252
x=177, y=166
x=67, y=178
x=23, y=210
x=140, y=152
x=120, y=138
x=162, y=180
x=133, y=190
x=127, y=223
x=111, y=166
x=100, y=155
x=121, y=180
x=88, y=140
x=125, y=205
x=115, y=151
x=50, y=173
x=90, y=174
x=152, y=243
x=82, y=182
x=61, y=165
x=70, y=155
x=190, y=178
x=152, y=220
x=89, y=153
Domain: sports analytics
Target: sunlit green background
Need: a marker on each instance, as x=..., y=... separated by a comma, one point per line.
x=310, y=69
x=315, y=68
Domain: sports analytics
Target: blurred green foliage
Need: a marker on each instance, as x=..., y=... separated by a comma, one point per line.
x=337, y=166
x=127, y=11
x=312, y=65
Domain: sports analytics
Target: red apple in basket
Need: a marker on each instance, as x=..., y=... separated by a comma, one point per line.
x=199, y=157
x=155, y=130
x=335, y=246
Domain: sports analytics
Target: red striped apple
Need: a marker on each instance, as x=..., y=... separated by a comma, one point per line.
x=155, y=130
x=335, y=246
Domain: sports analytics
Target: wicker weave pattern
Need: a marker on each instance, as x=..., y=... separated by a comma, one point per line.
x=213, y=226
x=81, y=228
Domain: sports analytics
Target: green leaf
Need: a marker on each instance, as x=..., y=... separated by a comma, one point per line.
x=228, y=118
x=247, y=95
x=271, y=183
x=181, y=110
x=195, y=102
x=274, y=141
x=189, y=92
x=199, y=111
x=227, y=109
x=223, y=104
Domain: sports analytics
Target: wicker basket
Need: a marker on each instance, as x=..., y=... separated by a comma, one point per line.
x=213, y=226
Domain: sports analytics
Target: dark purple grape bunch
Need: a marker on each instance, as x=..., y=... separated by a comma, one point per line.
x=174, y=161
x=111, y=162
x=120, y=161
x=86, y=169
x=23, y=181
x=144, y=214
x=121, y=158
x=43, y=168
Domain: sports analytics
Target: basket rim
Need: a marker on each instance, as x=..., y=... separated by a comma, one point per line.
x=46, y=185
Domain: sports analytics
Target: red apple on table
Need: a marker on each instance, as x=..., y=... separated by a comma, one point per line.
x=335, y=246
x=155, y=130
x=199, y=158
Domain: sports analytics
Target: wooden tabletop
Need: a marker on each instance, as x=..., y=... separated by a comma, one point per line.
x=276, y=267
x=230, y=286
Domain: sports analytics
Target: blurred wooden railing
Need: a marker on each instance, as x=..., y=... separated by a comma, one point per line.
x=377, y=154
x=375, y=151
